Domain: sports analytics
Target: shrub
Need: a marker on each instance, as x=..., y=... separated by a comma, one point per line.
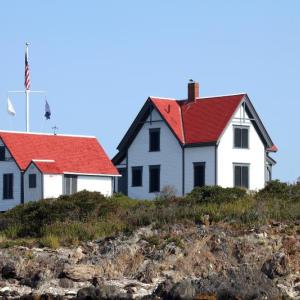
x=50, y=241
x=275, y=188
x=216, y=194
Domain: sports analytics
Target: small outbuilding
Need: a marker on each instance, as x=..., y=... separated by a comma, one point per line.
x=34, y=166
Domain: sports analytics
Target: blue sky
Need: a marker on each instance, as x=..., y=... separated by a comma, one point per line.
x=100, y=60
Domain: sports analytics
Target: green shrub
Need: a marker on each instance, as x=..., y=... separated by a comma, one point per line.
x=216, y=194
x=87, y=216
x=50, y=241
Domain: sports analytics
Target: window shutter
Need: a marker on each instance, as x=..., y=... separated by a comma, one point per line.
x=245, y=138
x=237, y=138
x=245, y=177
x=237, y=175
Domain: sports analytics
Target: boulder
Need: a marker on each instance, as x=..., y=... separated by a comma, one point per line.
x=104, y=292
x=65, y=283
x=185, y=289
x=9, y=271
x=276, y=266
x=80, y=272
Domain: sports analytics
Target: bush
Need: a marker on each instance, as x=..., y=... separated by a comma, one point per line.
x=87, y=216
x=275, y=188
x=216, y=194
x=50, y=241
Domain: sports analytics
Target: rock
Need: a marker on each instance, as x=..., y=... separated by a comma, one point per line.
x=164, y=288
x=35, y=281
x=80, y=272
x=277, y=266
x=183, y=290
x=9, y=271
x=96, y=281
x=105, y=292
x=89, y=293
x=66, y=283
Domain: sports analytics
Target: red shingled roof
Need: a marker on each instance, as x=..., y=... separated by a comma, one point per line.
x=71, y=154
x=202, y=121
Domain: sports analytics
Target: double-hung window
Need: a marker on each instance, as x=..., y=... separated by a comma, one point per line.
x=154, y=139
x=241, y=137
x=137, y=176
x=8, y=183
x=2, y=153
x=32, y=181
x=241, y=175
x=199, y=174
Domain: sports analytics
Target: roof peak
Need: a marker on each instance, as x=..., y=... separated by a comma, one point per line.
x=199, y=98
x=46, y=134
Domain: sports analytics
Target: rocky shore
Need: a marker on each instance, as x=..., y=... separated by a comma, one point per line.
x=175, y=262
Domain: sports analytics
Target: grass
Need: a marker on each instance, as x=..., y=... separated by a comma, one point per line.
x=69, y=220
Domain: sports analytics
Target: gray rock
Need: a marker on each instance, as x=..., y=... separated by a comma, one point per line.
x=66, y=283
x=277, y=266
x=9, y=271
x=104, y=292
x=185, y=289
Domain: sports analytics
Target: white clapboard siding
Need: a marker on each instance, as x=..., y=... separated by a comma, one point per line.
x=169, y=158
x=101, y=184
x=199, y=154
x=228, y=155
x=33, y=194
x=53, y=185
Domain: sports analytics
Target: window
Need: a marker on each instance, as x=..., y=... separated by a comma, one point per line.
x=241, y=176
x=2, y=153
x=32, y=181
x=70, y=184
x=154, y=179
x=137, y=176
x=241, y=137
x=199, y=174
x=154, y=139
x=8, y=183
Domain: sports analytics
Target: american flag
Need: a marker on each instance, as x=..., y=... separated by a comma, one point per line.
x=27, y=77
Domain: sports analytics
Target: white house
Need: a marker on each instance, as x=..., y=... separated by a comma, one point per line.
x=36, y=166
x=194, y=142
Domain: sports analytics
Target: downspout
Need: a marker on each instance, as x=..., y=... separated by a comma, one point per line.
x=127, y=171
x=183, y=171
x=216, y=164
x=42, y=185
x=22, y=187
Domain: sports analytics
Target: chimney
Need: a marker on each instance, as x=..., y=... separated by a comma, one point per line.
x=193, y=90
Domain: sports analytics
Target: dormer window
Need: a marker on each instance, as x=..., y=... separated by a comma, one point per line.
x=2, y=153
x=241, y=137
x=154, y=139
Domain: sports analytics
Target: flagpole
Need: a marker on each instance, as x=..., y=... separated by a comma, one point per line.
x=27, y=91
x=27, y=111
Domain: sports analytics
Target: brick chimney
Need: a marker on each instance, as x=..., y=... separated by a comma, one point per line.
x=193, y=90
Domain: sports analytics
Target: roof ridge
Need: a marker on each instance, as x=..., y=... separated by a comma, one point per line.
x=181, y=120
x=46, y=134
x=164, y=98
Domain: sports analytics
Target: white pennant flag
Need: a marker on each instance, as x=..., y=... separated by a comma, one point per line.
x=10, y=108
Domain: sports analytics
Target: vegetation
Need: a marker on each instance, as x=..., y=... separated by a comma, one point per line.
x=86, y=216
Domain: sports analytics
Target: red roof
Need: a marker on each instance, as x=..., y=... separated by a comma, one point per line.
x=202, y=121
x=58, y=153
